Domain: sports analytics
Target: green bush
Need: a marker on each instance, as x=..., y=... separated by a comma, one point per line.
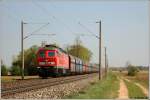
x=132, y=70
x=4, y=70
x=15, y=70
x=30, y=61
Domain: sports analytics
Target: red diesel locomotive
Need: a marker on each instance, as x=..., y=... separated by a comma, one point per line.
x=54, y=61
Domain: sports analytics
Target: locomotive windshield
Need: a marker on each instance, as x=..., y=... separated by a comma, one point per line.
x=51, y=54
x=42, y=54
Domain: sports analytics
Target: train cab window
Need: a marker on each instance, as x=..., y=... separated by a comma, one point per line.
x=42, y=54
x=51, y=54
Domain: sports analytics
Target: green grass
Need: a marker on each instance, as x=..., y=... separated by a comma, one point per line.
x=144, y=83
x=134, y=91
x=15, y=78
x=104, y=89
x=7, y=79
x=143, y=79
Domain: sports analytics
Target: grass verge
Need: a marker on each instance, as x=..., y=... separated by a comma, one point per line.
x=15, y=78
x=134, y=91
x=104, y=89
x=7, y=79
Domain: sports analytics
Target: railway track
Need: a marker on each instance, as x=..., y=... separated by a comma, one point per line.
x=42, y=84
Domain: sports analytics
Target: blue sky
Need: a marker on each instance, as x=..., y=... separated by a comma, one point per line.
x=125, y=27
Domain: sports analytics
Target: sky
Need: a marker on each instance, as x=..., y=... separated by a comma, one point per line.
x=125, y=27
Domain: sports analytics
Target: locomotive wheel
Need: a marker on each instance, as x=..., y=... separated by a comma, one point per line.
x=43, y=73
x=55, y=72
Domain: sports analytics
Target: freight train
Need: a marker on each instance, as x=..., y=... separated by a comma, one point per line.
x=54, y=61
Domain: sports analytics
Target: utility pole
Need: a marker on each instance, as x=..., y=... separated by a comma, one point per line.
x=77, y=45
x=100, y=73
x=22, y=42
x=22, y=51
x=105, y=63
x=77, y=40
x=2, y=62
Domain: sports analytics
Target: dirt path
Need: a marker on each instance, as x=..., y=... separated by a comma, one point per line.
x=145, y=91
x=123, y=91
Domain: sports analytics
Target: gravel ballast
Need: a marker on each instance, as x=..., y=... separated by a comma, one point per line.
x=56, y=92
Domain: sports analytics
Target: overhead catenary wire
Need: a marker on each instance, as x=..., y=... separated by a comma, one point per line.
x=12, y=15
x=42, y=8
x=54, y=17
x=36, y=30
x=40, y=34
x=88, y=30
x=18, y=17
x=38, y=22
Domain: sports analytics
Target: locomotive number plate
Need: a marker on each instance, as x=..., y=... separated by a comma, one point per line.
x=42, y=63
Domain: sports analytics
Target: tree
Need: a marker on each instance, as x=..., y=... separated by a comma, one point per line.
x=79, y=51
x=15, y=70
x=30, y=62
x=4, y=70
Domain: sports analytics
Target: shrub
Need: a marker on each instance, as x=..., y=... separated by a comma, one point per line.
x=132, y=70
x=15, y=70
x=4, y=70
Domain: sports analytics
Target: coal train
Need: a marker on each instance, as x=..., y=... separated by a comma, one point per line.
x=54, y=61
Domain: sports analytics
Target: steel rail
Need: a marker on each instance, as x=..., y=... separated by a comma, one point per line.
x=57, y=81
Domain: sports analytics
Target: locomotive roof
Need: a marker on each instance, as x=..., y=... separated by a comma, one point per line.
x=53, y=47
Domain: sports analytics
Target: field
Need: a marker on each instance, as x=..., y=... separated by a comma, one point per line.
x=14, y=78
x=142, y=77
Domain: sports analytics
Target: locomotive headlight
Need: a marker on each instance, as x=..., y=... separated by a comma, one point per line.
x=51, y=62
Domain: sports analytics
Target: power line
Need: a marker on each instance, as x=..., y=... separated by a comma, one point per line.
x=36, y=30
x=82, y=34
x=88, y=30
x=39, y=6
x=14, y=13
x=37, y=23
x=40, y=34
x=54, y=17
x=10, y=15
